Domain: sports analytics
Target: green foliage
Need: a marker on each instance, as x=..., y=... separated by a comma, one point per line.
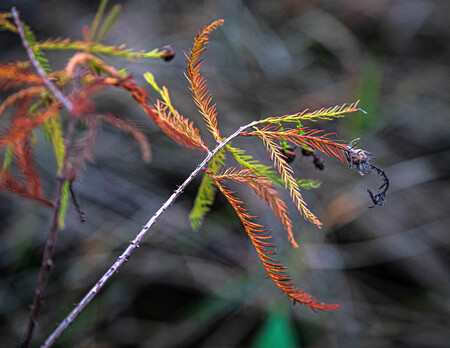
x=65, y=193
x=206, y=192
x=108, y=22
x=308, y=184
x=5, y=24
x=118, y=51
x=8, y=157
x=53, y=132
x=98, y=18
x=337, y=111
x=247, y=161
x=31, y=38
x=368, y=92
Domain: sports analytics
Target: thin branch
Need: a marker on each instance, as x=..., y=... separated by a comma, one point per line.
x=136, y=241
x=47, y=261
x=58, y=94
x=47, y=257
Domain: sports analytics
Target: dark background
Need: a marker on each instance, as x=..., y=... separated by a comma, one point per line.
x=388, y=267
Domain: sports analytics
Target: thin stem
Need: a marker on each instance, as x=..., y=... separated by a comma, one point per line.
x=47, y=261
x=58, y=94
x=136, y=241
x=47, y=257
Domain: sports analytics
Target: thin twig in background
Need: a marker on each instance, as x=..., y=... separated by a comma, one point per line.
x=47, y=261
x=135, y=242
x=57, y=93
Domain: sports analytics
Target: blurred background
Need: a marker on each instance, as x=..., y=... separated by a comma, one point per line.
x=388, y=267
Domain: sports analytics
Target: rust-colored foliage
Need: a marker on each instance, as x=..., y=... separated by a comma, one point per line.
x=36, y=105
x=261, y=240
x=306, y=138
x=16, y=74
x=287, y=176
x=178, y=127
x=199, y=88
x=266, y=191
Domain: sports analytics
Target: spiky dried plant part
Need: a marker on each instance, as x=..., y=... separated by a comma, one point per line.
x=16, y=74
x=379, y=198
x=261, y=240
x=286, y=175
x=264, y=189
x=13, y=99
x=126, y=126
x=199, y=88
x=321, y=114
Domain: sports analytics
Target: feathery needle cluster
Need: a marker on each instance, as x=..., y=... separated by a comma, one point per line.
x=37, y=105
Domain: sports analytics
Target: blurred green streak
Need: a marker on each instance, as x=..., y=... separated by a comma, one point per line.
x=368, y=93
x=277, y=331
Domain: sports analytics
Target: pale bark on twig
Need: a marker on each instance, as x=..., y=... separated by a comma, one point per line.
x=47, y=258
x=136, y=241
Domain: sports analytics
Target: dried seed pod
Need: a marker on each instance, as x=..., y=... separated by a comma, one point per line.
x=169, y=53
x=307, y=153
x=319, y=162
x=289, y=154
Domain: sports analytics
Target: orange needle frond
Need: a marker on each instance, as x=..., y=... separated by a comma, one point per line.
x=30, y=92
x=24, y=126
x=306, y=137
x=175, y=126
x=199, y=88
x=178, y=127
x=16, y=74
x=261, y=240
x=286, y=175
x=265, y=190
